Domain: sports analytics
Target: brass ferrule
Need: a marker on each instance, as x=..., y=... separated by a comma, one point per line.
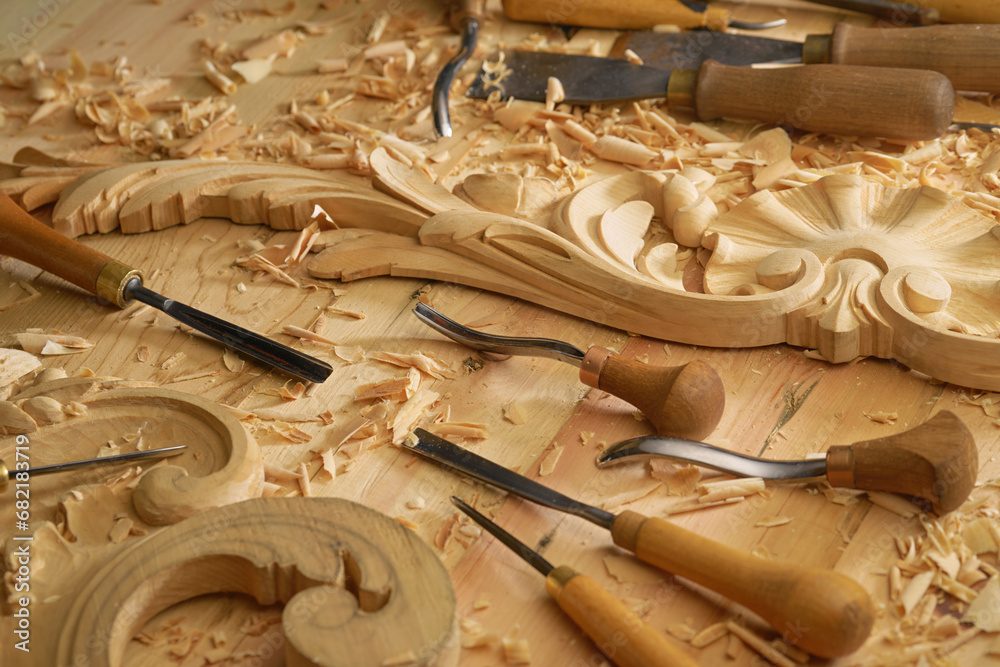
x=681, y=87
x=112, y=281
x=4, y=476
x=717, y=18
x=816, y=49
x=840, y=466
x=557, y=579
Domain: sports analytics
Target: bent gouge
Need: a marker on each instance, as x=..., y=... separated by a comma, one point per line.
x=831, y=614
x=683, y=400
x=624, y=637
x=24, y=238
x=937, y=461
x=904, y=104
x=631, y=15
x=969, y=55
x=464, y=16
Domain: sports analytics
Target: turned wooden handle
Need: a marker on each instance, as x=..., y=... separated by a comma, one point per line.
x=461, y=10
x=616, y=629
x=969, y=55
x=837, y=99
x=686, y=401
x=614, y=14
x=937, y=461
x=965, y=11
x=25, y=238
x=820, y=611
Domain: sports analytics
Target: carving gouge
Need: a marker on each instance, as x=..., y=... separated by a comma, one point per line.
x=969, y=55
x=598, y=613
x=894, y=12
x=906, y=104
x=835, y=611
x=631, y=15
x=683, y=400
x=937, y=461
x=465, y=16
x=131, y=457
x=27, y=239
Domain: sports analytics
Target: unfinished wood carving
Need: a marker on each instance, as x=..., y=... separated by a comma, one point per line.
x=359, y=589
x=846, y=266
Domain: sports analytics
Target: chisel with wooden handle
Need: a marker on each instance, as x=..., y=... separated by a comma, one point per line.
x=25, y=238
x=624, y=637
x=969, y=55
x=630, y=15
x=828, y=614
x=906, y=104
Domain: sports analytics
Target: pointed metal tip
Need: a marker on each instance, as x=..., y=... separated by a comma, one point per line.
x=746, y=25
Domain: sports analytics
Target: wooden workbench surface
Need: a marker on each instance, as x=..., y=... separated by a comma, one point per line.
x=781, y=403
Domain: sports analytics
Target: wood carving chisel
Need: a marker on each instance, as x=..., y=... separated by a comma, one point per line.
x=465, y=16
x=969, y=55
x=949, y=11
x=687, y=400
x=853, y=100
x=25, y=238
x=7, y=473
x=937, y=461
x=630, y=15
x=834, y=611
x=892, y=12
x=597, y=612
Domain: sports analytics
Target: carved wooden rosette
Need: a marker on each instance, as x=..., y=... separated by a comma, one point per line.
x=358, y=588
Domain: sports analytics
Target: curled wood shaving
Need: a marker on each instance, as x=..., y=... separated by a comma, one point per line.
x=15, y=364
x=420, y=361
x=709, y=492
x=516, y=651
x=52, y=344
x=548, y=463
x=305, y=334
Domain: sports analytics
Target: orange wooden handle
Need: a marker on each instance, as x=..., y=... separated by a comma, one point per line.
x=614, y=14
x=969, y=55
x=937, y=461
x=25, y=238
x=893, y=103
x=686, y=401
x=460, y=10
x=820, y=611
x=617, y=630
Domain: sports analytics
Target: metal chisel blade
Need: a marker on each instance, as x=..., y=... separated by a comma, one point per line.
x=688, y=50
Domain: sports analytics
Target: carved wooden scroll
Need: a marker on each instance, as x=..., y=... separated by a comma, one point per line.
x=359, y=589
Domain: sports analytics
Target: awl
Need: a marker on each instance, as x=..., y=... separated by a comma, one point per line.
x=969, y=55
x=683, y=400
x=27, y=239
x=906, y=104
x=832, y=613
x=937, y=461
x=600, y=614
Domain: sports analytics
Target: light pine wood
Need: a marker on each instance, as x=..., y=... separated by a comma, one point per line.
x=642, y=15
x=358, y=588
x=964, y=11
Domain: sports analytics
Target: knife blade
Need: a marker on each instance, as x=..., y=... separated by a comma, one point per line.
x=904, y=104
x=969, y=55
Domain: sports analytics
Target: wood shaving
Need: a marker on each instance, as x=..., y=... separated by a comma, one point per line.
x=173, y=360
x=14, y=420
x=464, y=430
x=52, y=344
x=304, y=485
x=514, y=412
x=516, y=651
x=882, y=417
x=681, y=631
x=403, y=659
x=627, y=570
x=305, y=334
x=895, y=504
x=410, y=413
x=680, y=480
x=347, y=313
x=421, y=362
x=709, y=634
x=548, y=463
x=473, y=635
x=760, y=645
x=628, y=497
x=232, y=361
x=709, y=492
x=773, y=521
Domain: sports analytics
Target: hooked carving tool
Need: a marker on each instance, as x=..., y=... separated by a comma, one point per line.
x=25, y=238
x=969, y=55
x=834, y=611
x=599, y=613
x=683, y=400
x=937, y=461
x=906, y=104
x=465, y=16
x=631, y=15
x=7, y=473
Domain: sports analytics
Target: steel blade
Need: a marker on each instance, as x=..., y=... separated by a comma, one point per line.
x=239, y=339
x=530, y=556
x=475, y=466
x=129, y=457
x=585, y=79
x=688, y=50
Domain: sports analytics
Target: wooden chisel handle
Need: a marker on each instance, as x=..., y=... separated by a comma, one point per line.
x=969, y=55
x=615, y=14
x=937, y=461
x=964, y=11
x=616, y=629
x=684, y=401
x=25, y=238
x=462, y=10
x=905, y=104
x=820, y=611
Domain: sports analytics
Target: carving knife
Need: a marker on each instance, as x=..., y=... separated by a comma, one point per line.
x=598, y=613
x=906, y=104
x=835, y=611
x=937, y=461
x=969, y=55
x=25, y=238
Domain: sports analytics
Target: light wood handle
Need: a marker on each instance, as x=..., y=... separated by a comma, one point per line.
x=820, y=611
x=686, y=401
x=965, y=11
x=937, y=461
x=837, y=99
x=25, y=238
x=460, y=10
x=969, y=55
x=614, y=14
x=617, y=630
